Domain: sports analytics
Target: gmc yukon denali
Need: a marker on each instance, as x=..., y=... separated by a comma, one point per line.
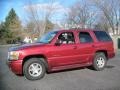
x=60, y=50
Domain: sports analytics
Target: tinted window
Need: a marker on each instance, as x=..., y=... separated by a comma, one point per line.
x=85, y=37
x=102, y=36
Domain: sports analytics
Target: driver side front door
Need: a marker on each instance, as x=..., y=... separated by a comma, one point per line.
x=66, y=53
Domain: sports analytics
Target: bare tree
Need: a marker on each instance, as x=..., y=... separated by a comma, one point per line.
x=111, y=11
x=102, y=23
x=33, y=19
x=81, y=13
x=41, y=14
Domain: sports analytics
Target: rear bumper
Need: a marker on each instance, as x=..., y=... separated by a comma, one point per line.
x=15, y=66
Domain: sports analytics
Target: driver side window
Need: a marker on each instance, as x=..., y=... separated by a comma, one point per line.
x=66, y=38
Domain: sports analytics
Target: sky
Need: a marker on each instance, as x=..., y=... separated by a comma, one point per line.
x=19, y=5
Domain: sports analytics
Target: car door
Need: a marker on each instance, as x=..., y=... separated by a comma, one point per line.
x=85, y=47
x=65, y=53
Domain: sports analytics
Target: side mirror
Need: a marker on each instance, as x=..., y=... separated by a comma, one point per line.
x=58, y=43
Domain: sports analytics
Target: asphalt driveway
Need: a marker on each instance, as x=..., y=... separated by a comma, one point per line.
x=80, y=79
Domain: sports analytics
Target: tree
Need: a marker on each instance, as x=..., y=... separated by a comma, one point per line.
x=30, y=30
x=13, y=23
x=41, y=15
x=110, y=9
x=102, y=24
x=4, y=34
x=81, y=13
x=10, y=30
x=49, y=25
x=2, y=31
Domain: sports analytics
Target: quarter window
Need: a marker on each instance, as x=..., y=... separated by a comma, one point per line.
x=102, y=36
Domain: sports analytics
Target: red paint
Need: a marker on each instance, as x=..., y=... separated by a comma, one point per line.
x=16, y=66
x=64, y=56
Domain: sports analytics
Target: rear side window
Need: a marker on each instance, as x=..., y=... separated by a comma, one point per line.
x=102, y=36
x=85, y=37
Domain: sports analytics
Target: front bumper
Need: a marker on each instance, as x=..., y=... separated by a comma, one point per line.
x=15, y=66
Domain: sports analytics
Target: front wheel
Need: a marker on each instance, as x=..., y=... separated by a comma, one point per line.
x=34, y=69
x=99, y=62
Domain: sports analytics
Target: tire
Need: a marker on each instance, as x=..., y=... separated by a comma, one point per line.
x=34, y=69
x=99, y=62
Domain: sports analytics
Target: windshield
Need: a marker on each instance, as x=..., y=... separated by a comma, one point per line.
x=47, y=37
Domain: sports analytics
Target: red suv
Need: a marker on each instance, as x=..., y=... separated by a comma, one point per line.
x=59, y=50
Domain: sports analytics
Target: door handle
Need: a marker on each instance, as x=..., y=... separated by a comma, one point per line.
x=74, y=47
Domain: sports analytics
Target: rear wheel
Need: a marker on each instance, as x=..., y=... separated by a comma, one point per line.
x=34, y=69
x=99, y=62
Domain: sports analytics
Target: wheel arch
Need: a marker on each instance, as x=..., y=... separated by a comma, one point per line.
x=44, y=60
x=103, y=51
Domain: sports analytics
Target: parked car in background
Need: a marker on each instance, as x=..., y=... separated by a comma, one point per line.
x=60, y=50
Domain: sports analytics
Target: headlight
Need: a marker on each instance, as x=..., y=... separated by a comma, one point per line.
x=13, y=55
